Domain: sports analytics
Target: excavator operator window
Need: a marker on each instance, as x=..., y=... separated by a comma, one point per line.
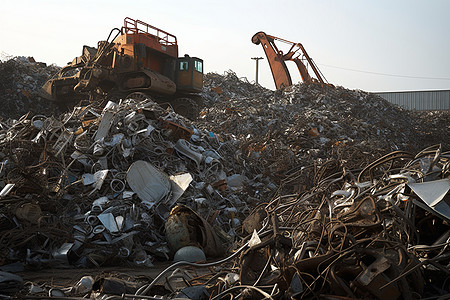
x=184, y=65
x=198, y=66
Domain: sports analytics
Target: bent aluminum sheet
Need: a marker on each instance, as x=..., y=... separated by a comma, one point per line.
x=105, y=125
x=109, y=222
x=149, y=183
x=179, y=183
x=185, y=148
x=433, y=194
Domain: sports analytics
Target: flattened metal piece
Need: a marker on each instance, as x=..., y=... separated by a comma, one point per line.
x=376, y=268
x=433, y=194
x=61, y=253
x=149, y=183
x=184, y=147
x=179, y=183
x=109, y=222
x=105, y=125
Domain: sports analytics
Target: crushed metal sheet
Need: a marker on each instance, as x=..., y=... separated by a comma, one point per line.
x=433, y=193
x=335, y=205
x=109, y=222
x=150, y=184
x=179, y=184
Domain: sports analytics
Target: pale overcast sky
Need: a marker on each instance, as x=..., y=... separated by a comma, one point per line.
x=382, y=45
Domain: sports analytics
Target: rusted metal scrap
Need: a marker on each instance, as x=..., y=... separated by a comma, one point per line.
x=312, y=203
x=94, y=186
x=184, y=227
x=357, y=234
x=351, y=233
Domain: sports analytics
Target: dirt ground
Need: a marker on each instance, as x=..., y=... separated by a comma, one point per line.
x=62, y=278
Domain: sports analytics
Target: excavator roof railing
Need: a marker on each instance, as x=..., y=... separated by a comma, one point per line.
x=132, y=26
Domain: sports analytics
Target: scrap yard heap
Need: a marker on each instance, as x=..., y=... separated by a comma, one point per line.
x=218, y=189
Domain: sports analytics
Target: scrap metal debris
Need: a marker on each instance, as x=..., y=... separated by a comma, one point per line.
x=312, y=192
x=99, y=184
x=20, y=81
x=280, y=132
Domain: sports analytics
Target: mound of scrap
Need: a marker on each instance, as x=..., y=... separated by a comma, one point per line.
x=20, y=81
x=311, y=192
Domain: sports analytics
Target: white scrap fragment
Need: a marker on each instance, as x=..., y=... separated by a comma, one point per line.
x=149, y=183
x=431, y=192
x=255, y=240
x=5, y=191
x=108, y=220
x=179, y=184
x=105, y=125
x=87, y=178
x=101, y=201
x=150, y=128
x=99, y=178
x=116, y=139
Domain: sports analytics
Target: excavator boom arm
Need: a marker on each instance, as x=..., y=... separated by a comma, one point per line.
x=279, y=69
x=277, y=60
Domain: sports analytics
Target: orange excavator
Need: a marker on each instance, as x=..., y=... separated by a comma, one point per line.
x=277, y=59
x=140, y=60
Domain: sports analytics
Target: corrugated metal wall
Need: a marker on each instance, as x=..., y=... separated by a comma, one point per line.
x=419, y=100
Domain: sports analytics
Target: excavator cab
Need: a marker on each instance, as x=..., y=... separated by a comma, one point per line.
x=189, y=74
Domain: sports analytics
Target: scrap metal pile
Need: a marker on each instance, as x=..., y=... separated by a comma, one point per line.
x=77, y=179
x=20, y=81
x=283, y=131
x=312, y=192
